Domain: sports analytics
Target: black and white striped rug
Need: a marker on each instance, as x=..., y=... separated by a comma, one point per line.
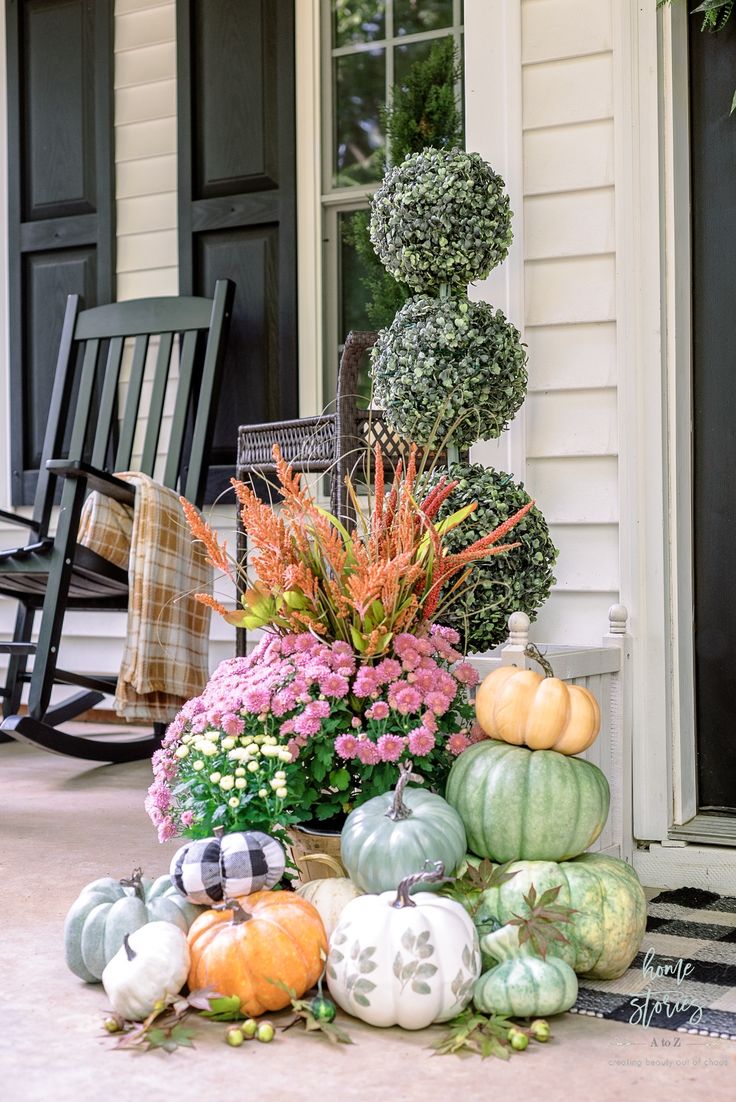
x=684, y=977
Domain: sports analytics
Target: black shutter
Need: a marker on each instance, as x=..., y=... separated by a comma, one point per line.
x=61, y=226
x=237, y=199
x=713, y=184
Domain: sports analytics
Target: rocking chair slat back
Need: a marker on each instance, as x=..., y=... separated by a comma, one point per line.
x=130, y=419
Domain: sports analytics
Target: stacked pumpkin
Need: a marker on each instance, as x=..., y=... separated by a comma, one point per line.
x=145, y=939
x=525, y=797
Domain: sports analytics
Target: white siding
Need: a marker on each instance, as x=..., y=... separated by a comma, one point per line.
x=570, y=304
x=145, y=148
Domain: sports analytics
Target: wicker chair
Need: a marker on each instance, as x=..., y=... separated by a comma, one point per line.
x=330, y=443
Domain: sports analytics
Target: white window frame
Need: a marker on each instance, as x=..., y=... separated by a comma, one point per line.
x=338, y=200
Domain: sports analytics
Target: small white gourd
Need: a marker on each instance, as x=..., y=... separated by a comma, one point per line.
x=401, y=960
x=152, y=963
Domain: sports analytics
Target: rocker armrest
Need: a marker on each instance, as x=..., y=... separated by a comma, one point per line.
x=13, y=518
x=96, y=479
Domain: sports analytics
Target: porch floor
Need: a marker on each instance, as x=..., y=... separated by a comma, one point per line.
x=66, y=822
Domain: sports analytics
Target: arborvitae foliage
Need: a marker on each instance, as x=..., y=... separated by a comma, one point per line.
x=423, y=112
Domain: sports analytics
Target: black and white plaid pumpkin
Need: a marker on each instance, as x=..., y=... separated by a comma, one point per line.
x=227, y=866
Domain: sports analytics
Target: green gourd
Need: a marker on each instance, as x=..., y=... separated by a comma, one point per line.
x=391, y=836
x=610, y=907
x=108, y=909
x=522, y=984
x=520, y=804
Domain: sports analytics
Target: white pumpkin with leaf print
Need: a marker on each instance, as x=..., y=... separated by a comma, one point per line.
x=404, y=960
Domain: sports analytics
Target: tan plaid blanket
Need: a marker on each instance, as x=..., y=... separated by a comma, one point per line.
x=165, y=658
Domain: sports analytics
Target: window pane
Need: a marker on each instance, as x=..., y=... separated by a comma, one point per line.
x=353, y=296
x=357, y=21
x=405, y=56
x=412, y=16
x=359, y=93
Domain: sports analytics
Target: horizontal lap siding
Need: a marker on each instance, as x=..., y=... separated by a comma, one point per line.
x=570, y=305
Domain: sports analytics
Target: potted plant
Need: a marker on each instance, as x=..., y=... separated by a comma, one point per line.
x=352, y=676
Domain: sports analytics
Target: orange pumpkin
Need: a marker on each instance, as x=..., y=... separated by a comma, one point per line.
x=526, y=708
x=262, y=937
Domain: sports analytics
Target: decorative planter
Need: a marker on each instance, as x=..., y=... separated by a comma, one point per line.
x=316, y=853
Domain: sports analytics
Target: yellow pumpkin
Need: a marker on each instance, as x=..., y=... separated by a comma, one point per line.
x=540, y=711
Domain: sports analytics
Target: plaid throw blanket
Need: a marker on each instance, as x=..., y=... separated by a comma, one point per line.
x=165, y=658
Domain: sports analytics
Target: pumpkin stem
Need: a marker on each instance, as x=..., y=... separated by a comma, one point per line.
x=432, y=873
x=535, y=653
x=136, y=882
x=398, y=809
x=239, y=912
x=129, y=952
x=219, y=832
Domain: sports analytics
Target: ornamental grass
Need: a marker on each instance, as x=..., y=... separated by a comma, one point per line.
x=392, y=575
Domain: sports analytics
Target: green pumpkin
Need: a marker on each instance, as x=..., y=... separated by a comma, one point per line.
x=523, y=985
x=611, y=909
x=520, y=804
x=108, y=909
x=391, y=836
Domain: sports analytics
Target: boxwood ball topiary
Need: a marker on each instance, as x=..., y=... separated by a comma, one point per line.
x=441, y=216
x=517, y=581
x=449, y=370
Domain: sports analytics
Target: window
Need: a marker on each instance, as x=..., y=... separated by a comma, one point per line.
x=367, y=48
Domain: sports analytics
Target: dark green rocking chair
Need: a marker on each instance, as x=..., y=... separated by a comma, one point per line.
x=53, y=574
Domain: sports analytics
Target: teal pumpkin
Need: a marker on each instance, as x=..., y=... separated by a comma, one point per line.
x=523, y=985
x=606, y=930
x=391, y=836
x=108, y=909
x=533, y=805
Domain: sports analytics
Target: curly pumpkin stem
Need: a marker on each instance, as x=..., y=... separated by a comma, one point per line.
x=398, y=809
x=432, y=873
x=129, y=951
x=533, y=652
x=135, y=882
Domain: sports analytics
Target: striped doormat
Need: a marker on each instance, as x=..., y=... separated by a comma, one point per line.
x=684, y=977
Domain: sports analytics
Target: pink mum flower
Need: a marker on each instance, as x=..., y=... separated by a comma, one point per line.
x=449, y=634
x=257, y=700
x=366, y=681
x=438, y=702
x=346, y=746
x=477, y=734
x=429, y=721
x=294, y=748
x=333, y=684
x=421, y=742
x=232, y=724
x=307, y=725
x=466, y=674
x=187, y=818
x=457, y=743
x=405, y=698
x=379, y=710
x=388, y=670
x=391, y=747
x=317, y=708
x=367, y=752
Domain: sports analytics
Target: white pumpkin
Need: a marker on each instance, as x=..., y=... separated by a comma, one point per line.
x=401, y=960
x=330, y=896
x=153, y=962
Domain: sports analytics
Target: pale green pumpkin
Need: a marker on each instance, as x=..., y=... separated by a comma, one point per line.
x=108, y=909
x=611, y=910
x=391, y=836
x=520, y=804
x=523, y=985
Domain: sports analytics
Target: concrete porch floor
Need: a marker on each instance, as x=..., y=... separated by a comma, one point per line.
x=65, y=822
